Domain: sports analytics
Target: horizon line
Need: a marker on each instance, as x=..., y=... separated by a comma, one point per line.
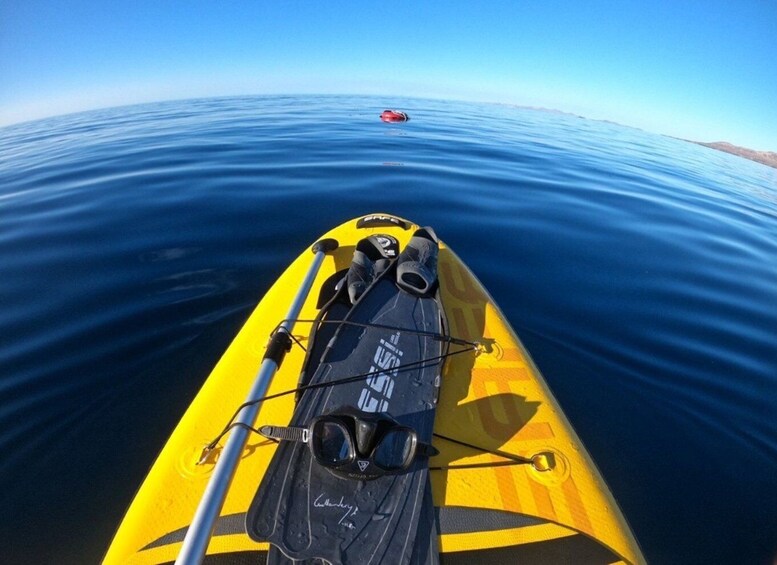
x=108, y=106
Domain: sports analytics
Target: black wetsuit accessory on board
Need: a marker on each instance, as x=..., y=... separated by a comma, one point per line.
x=372, y=256
x=304, y=510
x=355, y=444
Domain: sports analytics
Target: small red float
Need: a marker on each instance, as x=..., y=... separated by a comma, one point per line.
x=391, y=116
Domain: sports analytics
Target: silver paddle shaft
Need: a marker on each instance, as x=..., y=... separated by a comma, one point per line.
x=195, y=544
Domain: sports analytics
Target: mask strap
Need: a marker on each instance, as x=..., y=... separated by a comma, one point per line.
x=426, y=450
x=290, y=433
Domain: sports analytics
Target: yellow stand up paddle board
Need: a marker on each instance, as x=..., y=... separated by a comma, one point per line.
x=510, y=481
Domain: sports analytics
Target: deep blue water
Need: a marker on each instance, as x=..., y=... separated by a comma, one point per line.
x=640, y=271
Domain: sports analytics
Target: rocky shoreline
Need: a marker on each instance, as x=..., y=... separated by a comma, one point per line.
x=768, y=158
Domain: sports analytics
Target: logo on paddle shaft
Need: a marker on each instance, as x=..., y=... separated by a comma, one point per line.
x=375, y=396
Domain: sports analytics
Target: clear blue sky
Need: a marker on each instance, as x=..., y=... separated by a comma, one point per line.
x=702, y=70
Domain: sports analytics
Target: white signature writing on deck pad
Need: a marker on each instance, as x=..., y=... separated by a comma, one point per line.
x=323, y=501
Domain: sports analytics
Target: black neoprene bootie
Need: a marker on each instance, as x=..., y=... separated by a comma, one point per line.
x=372, y=256
x=417, y=264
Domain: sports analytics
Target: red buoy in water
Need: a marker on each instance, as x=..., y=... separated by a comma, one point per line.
x=391, y=116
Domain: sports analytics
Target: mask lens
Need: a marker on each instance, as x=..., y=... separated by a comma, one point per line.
x=394, y=450
x=331, y=443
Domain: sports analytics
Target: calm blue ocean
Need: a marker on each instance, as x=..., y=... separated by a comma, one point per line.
x=639, y=270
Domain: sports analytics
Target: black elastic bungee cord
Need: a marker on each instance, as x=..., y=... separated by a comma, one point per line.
x=471, y=346
x=344, y=380
x=295, y=340
x=512, y=458
x=435, y=335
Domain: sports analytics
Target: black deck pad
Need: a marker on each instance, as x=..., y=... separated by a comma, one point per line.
x=426, y=550
x=305, y=511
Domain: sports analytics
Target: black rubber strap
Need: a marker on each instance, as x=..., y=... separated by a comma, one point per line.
x=289, y=433
x=426, y=450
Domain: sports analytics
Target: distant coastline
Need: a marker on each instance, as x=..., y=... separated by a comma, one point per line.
x=768, y=158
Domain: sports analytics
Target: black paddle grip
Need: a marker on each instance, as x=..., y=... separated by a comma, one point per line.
x=277, y=347
x=326, y=245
